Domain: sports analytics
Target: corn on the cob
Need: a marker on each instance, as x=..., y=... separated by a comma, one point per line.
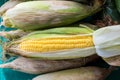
x=57, y=43
x=11, y=3
x=53, y=51
x=45, y=66
x=35, y=15
x=83, y=73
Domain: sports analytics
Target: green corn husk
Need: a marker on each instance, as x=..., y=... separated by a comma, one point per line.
x=83, y=73
x=81, y=29
x=35, y=15
x=118, y=4
x=72, y=29
x=53, y=55
x=11, y=3
x=107, y=44
x=45, y=66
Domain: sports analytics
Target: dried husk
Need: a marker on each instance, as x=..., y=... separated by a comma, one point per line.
x=45, y=66
x=114, y=61
x=83, y=73
x=11, y=35
x=8, y=5
x=51, y=14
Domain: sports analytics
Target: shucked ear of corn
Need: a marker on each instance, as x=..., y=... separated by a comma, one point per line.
x=34, y=15
x=107, y=44
x=57, y=43
x=54, y=46
x=83, y=73
x=45, y=66
x=67, y=46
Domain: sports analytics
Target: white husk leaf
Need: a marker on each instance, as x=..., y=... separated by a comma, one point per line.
x=107, y=41
x=63, y=54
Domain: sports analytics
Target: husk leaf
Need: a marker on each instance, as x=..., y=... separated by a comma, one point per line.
x=107, y=41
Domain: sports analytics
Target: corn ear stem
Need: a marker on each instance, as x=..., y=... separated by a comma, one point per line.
x=11, y=35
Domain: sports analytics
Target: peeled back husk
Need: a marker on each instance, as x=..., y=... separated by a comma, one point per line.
x=45, y=66
x=13, y=46
x=81, y=29
x=71, y=29
x=107, y=44
x=83, y=73
x=34, y=15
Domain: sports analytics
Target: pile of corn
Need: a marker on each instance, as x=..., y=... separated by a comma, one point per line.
x=49, y=39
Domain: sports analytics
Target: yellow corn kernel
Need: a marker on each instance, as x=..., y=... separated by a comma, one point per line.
x=58, y=43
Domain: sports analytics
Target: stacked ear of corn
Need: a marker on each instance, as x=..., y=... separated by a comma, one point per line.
x=54, y=49
x=83, y=73
x=59, y=44
x=33, y=15
x=72, y=46
x=68, y=35
x=34, y=66
x=11, y=3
